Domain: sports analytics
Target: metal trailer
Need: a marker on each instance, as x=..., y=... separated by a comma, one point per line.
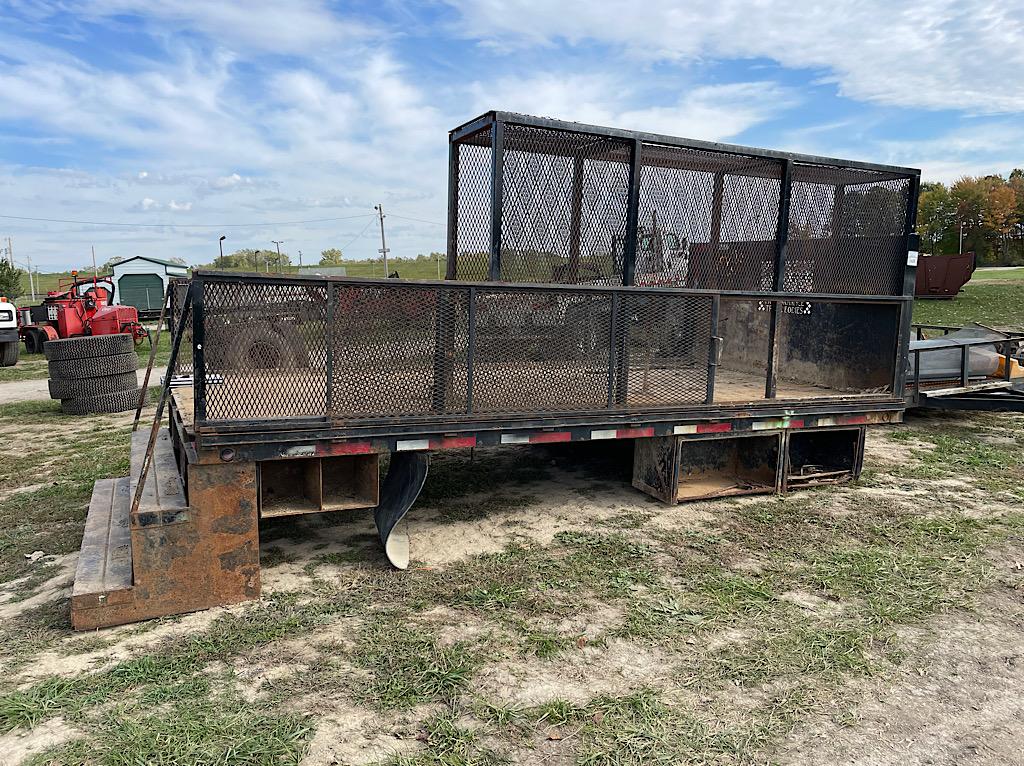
x=749, y=361
x=1000, y=392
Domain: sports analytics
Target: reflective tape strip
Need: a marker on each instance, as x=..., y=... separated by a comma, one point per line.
x=412, y=444
x=515, y=439
x=607, y=434
x=714, y=428
x=453, y=442
x=346, y=448
x=634, y=433
x=690, y=428
x=555, y=436
x=771, y=425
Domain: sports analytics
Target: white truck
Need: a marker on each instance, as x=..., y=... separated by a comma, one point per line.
x=9, y=341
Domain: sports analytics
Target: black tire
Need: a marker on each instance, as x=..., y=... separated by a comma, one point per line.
x=9, y=353
x=119, y=401
x=34, y=340
x=88, y=346
x=95, y=367
x=77, y=388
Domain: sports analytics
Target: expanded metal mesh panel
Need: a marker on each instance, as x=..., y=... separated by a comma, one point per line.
x=177, y=302
x=541, y=351
x=706, y=220
x=398, y=351
x=847, y=232
x=470, y=243
x=265, y=350
x=361, y=352
x=663, y=347
x=563, y=206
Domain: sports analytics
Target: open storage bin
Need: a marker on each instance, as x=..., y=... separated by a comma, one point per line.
x=312, y=485
x=349, y=481
x=678, y=469
x=823, y=457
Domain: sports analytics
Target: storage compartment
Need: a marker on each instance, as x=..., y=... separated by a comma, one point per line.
x=349, y=481
x=289, y=487
x=823, y=457
x=312, y=485
x=745, y=465
x=677, y=469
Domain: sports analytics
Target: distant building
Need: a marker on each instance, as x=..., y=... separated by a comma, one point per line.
x=322, y=271
x=142, y=281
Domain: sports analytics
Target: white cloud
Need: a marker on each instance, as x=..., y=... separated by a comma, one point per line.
x=936, y=54
x=179, y=206
x=711, y=112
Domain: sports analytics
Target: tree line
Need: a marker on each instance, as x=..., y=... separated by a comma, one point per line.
x=989, y=210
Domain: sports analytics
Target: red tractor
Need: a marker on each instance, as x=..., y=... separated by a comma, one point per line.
x=71, y=311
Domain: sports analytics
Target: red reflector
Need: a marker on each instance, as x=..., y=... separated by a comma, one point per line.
x=350, y=448
x=557, y=436
x=453, y=442
x=634, y=433
x=714, y=428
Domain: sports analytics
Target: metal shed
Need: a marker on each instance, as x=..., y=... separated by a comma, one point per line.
x=141, y=281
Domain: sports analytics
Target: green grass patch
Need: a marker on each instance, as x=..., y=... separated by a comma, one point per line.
x=988, y=302
x=408, y=666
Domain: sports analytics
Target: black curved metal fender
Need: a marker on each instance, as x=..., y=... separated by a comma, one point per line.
x=399, y=490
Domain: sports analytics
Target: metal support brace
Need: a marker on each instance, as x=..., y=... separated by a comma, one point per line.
x=164, y=393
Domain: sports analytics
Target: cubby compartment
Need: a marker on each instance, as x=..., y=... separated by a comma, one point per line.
x=289, y=487
x=678, y=469
x=823, y=457
x=349, y=481
x=746, y=465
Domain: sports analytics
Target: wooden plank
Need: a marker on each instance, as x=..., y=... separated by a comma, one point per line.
x=118, y=570
x=92, y=557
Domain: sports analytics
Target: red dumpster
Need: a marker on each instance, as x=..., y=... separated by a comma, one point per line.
x=942, y=276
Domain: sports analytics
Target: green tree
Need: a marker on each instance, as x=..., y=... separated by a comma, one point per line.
x=10, y=280
x=331, y=257
x=936, y=215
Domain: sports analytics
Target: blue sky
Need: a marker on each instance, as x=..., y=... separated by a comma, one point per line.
x=244, y=116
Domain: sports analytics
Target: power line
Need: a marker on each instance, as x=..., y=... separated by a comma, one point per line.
x=357, y=236
x=420, y=220
x=187, y=225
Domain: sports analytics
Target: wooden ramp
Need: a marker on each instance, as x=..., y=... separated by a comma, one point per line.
x=168, y=558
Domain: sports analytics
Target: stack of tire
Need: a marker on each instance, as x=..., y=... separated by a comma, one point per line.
x=93, y=373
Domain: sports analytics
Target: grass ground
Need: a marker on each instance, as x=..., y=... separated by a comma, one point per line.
x=552, y=613
x=1002, y=275
x=992, y=301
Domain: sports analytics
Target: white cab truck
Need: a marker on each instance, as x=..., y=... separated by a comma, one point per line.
x=8, y=333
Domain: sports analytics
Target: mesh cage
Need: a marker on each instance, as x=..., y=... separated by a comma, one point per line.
x=397, y=351
x=469, y=244
x=847, y=231
x=265, y=349
x=541, y=351
x=563, y=206
x=358, y=352
x=183, y=366
x=663, y=346
x=706, y=219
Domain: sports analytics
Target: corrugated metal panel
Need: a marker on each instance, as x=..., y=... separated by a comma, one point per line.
x=144, y=291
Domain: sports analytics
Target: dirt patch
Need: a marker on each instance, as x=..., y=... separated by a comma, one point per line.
x=578, y=675
x=958, y=700
x=18, y=745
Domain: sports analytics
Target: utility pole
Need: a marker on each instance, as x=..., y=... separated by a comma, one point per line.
x=95, y=274
x=278, y=243
x=10, y=253
x=256, y=260
x=300, y=259
x=220, y=243
x=383, y=244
